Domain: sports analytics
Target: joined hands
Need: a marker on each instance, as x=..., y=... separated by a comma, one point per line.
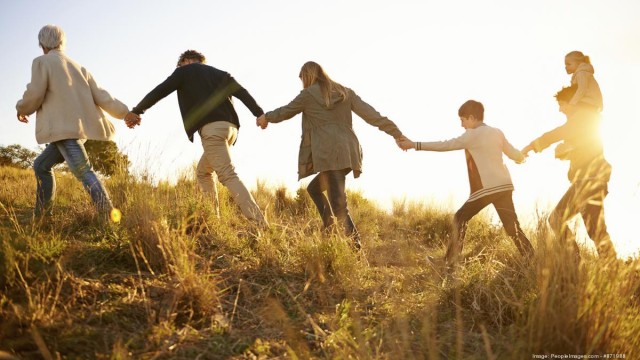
x=526, y=150
x=132, y=119
x=262, y=122
x=404, y=143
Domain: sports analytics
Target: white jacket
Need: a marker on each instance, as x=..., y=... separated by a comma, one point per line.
x=483, y=147
x=68, y=101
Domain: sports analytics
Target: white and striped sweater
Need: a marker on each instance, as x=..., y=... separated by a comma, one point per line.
x=483, y=147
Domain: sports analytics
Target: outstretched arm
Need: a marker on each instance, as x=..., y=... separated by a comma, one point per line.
x=104, y=100
x=547, y=139
x=288, y=111
x=514, y=154
x=246, y=98
x=158, y=93
x=373, y=117
x=459, y=143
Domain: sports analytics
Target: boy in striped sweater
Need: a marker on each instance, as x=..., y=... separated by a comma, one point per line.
x=489, y=178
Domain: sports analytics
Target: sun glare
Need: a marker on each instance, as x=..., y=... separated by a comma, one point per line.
x=622, y=205
x=115, y=215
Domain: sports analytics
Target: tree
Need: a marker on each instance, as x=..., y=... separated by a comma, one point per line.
x=16, y=155
x=103, y=155
x=106, y=158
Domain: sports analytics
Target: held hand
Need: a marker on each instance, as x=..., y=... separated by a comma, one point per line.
x=526, y=150
x=404, y=143
x=23, y=118
x=262, y=122
x=132, y=119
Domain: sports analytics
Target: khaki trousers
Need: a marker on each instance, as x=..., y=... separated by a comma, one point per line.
x=217, y=137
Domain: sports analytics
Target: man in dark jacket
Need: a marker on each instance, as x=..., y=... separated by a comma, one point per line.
x=204, y=97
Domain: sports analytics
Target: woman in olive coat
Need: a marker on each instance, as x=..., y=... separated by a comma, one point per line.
x=329, y=147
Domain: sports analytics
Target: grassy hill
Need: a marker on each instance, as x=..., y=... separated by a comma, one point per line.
x=173, y=281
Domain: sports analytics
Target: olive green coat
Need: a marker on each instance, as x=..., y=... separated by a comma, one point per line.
x=328, y=141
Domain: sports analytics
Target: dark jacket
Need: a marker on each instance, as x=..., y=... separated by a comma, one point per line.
x=204, y=96
x=328, y=141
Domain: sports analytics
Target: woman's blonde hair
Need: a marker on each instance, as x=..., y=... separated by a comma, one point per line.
x=579, y=56
x=52, y=37
x=312, y=73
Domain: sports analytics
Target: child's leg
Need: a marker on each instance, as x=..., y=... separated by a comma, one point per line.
x=507, y=213
x=460, y=221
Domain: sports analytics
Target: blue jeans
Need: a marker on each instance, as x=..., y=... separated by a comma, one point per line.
x=72, y=151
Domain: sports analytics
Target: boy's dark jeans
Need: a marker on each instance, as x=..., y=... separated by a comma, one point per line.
x=334, y=204
x=503, y=203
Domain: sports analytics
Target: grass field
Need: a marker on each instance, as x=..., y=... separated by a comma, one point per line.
x=173, y=281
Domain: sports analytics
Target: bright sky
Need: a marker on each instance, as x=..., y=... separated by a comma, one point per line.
x=414, y=61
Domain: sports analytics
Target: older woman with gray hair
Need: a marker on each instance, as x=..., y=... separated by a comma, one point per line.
x=69, y=105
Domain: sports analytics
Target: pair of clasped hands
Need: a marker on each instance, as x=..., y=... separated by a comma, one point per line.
x=262, y=122
x=132, y=120
x=404, y=143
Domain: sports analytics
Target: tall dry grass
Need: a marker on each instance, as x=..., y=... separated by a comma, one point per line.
x=174, y=280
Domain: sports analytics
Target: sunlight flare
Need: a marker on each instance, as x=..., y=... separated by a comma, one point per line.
x=115, y=215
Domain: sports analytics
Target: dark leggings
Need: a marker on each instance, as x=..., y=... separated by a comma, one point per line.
x=333, y=205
